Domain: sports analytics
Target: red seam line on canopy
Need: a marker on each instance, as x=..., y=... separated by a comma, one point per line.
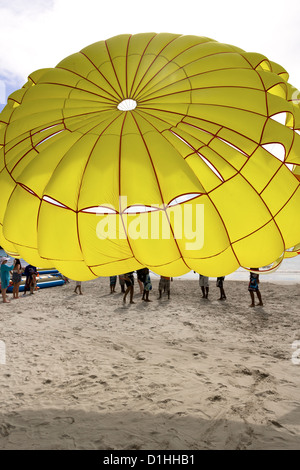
x=162, y=133
x=126, y=67
x=260, y=143
x=259, y=195
x=80, y=185
x=116, y=75
x=195, y=117
x=211, y=256
x=120, y=189
x=288, y=200
x=274, y=174
x=113, y=262
x=23, y=246
x=204, y=130
x=168, y=62
x=86, y=122
x=195, y=151
x=165, y=264
x=38, y=214
x=23, y=140
x=150, y=65
x=84, y=114
x=188, y=90
x=20, y=159
x=213, y=136
x=238, y=172
x=33, y=148
x=219, y=139
x=223, y=223
x=184, y=116
x=202, y=73
x=191, y=62
x=75, y=87
x=221, y=127
x=102, y=75
x=142, y=55
x=158, y=184
x=200, y=104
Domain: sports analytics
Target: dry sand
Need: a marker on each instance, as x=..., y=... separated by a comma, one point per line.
x=87, y=372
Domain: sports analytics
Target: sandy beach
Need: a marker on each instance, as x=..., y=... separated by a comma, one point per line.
x=87, y=372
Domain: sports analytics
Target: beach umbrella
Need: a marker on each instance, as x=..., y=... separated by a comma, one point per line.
x=162, y=150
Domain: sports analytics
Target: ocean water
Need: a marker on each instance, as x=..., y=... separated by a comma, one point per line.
x=288, y=272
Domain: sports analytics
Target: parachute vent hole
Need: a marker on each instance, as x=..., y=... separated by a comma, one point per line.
x=127, y=105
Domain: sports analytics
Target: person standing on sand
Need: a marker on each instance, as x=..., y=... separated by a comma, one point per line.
x=16, y=278
x=140, y=278
x=112, y=283
x=129, y=281
x=122, y=283
x=220, y=281
x=254, y=287
x=5, y=278
x=204, y=284
x=78, y=288
x=147, y=285
x=164, y=285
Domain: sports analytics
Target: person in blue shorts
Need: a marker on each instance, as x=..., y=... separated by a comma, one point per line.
x=112, y=283
x=254, y=287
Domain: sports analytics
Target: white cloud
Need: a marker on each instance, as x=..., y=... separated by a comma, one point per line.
x=39, y=33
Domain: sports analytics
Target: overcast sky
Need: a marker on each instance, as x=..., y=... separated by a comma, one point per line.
x=39, y=33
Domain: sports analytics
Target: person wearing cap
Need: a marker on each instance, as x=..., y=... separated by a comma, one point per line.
x=5, y=277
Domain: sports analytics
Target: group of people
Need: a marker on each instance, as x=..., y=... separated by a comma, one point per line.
x=17, y=272
x=253, y=287
x=204, y=284
x=143, y=278
x=126, y=282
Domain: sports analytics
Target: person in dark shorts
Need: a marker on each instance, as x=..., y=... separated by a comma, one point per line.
x=30, y=272
x=122, y=283
x=112, y=283
x=129, y=281
x=254, y=287
x=140, y=273
x=220, y=281
x=147, y=285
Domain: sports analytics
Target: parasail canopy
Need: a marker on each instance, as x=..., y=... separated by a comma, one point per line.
x=173, y=152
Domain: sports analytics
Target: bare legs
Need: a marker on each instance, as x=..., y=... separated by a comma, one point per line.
x=146, y=296
x=129, y=289
x=205, y=291
x=253, y=299
x=112, y=288
x=5, y=300
x=16, y=290
x=222, y=294
x=160, y=292
x=141, y=284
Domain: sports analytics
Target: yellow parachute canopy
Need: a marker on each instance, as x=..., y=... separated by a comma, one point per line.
x=173, y=152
